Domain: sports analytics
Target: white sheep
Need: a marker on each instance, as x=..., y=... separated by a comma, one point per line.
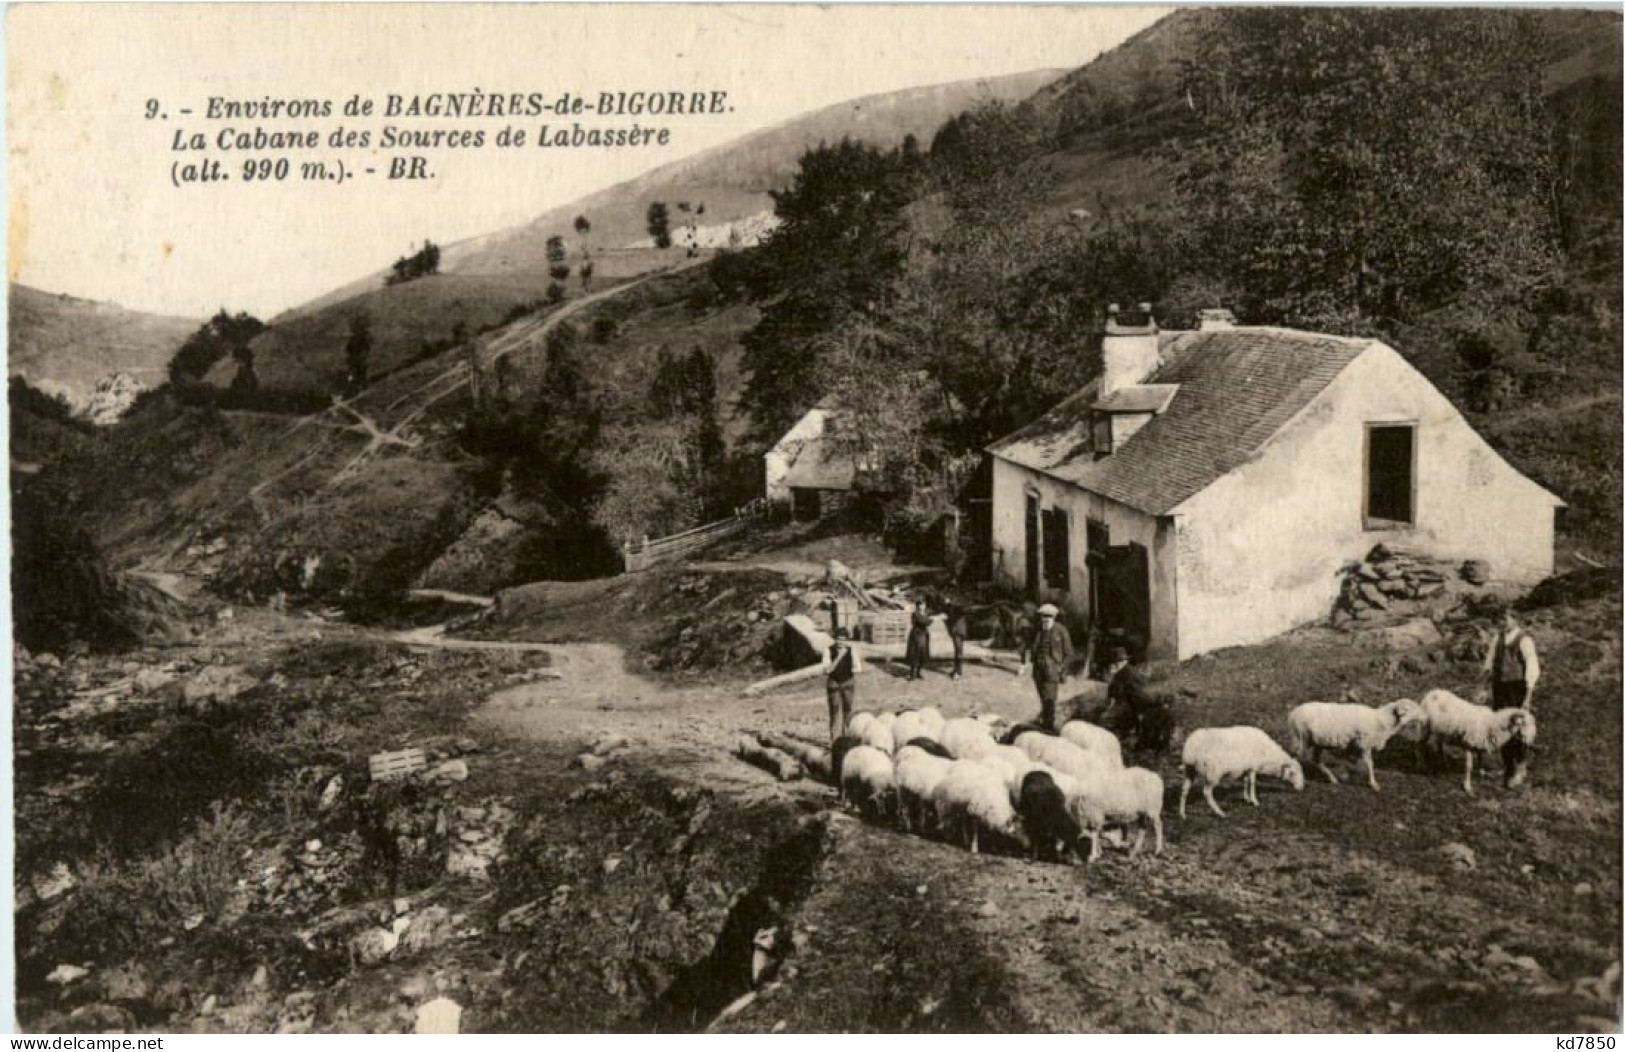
x=1011, y=763
x=966, y=738
x=1319, y=725
x=972, y=802
x=877, y=735
x=911, y=725
x=1093, y=738
x=1063, y=755
x=858, y=721
x=886, y=719
x=1476, y=728
x=1131, y=796
x=1213, y=754
x=917, y=774
x=867, y=779
x=933, y=719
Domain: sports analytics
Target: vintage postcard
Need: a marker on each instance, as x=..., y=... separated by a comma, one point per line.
x=780, y=518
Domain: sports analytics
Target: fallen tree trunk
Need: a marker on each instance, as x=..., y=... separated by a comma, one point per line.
x=779, y=764
x=812, y=757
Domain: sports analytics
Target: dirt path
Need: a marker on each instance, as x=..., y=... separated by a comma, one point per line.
x=1276, y=919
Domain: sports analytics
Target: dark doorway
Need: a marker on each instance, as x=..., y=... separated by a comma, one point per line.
x=805, y=504
x=1057, y=550
x=1125, y=597
x=1032, y=543
x=1390, y=474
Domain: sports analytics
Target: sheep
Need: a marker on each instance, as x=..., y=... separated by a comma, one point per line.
x=1063, y=755
x=930, y=745
x=1478, y=729
x=837, y=755
x=867, y=779
x=886, y=719
x=1046, y=813
x=1011, y=763
x=1130, y=796
x=1319, y=725
x=877, y=736
x=972, y=805
x=933, y=719
x=1213, y=754
x=911, y=725
x=1094, y=738
x=859, y=720
x=965, y=738
x=916, y=777
x=1009, y=737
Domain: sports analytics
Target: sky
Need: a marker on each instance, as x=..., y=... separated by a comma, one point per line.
x=94, y=211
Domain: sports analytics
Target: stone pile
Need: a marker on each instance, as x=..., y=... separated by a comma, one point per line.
x=1387, y=576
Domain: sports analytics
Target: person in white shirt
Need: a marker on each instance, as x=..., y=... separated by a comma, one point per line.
x=1513, y=668
x=842, y=663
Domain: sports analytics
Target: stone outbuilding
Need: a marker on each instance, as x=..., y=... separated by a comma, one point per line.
x=1205, y=490
x=811, y=469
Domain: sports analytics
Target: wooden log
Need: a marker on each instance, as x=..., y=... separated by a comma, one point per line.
x=813, y=758
x=798, y=676
x=779, y=764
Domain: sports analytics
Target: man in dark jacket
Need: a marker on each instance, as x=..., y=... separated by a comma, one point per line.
x=1049, y=652
x=1140, y=716
x=919, y=640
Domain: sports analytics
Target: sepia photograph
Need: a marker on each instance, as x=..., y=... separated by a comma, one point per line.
x=773, y=518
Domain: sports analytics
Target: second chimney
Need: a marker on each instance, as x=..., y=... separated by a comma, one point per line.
x=1128, y=352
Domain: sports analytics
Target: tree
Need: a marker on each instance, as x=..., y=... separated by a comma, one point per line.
x=555, y=249
x=1355, y=168
x=559, y=271
x=659, y=224
x=216, y=339
x=555, y=292
x=840, y=242
x=583, y=226
x=357, y=349
x=586, y=270
x=421, y=263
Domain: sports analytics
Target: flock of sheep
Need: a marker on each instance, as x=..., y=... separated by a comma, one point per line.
x=977, y=781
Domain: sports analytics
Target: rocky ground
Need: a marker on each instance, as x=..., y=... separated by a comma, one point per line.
x=201, y=848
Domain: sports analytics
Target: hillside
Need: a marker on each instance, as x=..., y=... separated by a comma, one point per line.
x=64, y=344
x=731, y=180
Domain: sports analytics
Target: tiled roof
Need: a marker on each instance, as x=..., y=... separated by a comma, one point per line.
x=820, y=464
x=1237, y=388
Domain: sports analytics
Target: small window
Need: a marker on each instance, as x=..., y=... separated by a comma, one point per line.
x=1390, y=485
x=1101, y=426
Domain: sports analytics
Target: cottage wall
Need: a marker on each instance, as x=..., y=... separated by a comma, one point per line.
x=777, y=460
x=1012, y=483
x=1259, y=550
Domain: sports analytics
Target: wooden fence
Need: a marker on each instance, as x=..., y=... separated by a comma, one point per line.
x=645, y=553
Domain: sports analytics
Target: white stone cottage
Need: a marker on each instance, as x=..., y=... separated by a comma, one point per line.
x=810, y=468
x=1205, y=490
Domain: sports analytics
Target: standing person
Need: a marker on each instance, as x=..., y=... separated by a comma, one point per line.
x=919, y=640
x=1049, y=652
x=842, y=663
x=958, y=628
x=1513, y=669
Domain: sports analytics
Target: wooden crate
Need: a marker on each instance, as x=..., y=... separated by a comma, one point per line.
x=885, y=626
x=387, y=766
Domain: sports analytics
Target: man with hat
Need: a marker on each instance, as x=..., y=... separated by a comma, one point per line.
x=1513, y=669
x=842, y=663
x=1049, y=652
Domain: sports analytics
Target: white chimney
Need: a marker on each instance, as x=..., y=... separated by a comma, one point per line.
x=1128, y=352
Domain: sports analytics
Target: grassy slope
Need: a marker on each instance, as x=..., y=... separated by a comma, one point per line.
x=484, y=277
x=65, y=344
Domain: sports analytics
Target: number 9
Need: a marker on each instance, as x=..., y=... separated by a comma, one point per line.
x=152, y=108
